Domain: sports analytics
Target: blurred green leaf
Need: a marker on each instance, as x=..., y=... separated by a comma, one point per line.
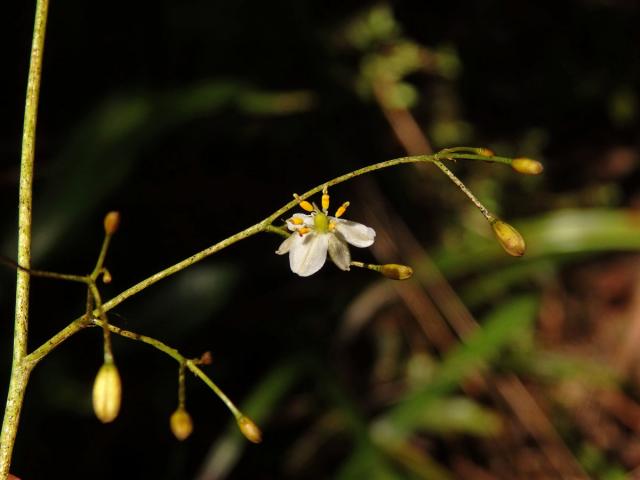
x=553, y=367
x=366, y=462
x=500, y=328
x=496, y=284
x=597, y=465
x=459, y=415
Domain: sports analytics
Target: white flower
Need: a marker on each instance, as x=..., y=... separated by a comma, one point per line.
x=317, y=233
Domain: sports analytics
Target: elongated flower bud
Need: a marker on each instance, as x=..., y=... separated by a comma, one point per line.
x=181, y=424
x=111, y=222
x=509, y=238
x=107, y=393
x=527, y=166
x=249, y=429
x=396, y=271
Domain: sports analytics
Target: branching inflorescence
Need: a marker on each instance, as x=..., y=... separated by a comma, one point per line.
x=310, y=237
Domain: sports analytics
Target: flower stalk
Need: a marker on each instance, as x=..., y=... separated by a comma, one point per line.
x=180, y=422
x=21, y=367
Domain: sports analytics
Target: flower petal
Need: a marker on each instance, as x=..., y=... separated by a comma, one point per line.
x=307, y=221
x=339, y=252
x=286, y=245
x=308, y=253
x=356, y=234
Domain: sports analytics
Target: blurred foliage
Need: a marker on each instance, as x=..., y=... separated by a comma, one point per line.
x=195, y=119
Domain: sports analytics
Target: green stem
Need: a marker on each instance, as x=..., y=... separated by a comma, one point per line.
x=468, y=156
x=43, y=273
x=282, y=231
x=464, y=190
x=369, y=266
x=108, y=352
x=20, y=368
x=101, y=257
x=181, y=386
x=177, y=356
x=348, y=176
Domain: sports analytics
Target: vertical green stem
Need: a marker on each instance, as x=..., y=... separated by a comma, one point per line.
x=21, y=369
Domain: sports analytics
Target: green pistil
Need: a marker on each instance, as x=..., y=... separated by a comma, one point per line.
x=321, y=223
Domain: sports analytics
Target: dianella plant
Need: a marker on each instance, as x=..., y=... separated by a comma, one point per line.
x=318, y=231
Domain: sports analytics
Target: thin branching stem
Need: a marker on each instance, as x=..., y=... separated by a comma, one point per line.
x=265, y=225
x=43, y=273
x=190, y=364
x=464, y=190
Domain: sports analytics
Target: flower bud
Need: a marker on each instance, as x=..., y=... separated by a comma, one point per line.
x=485, y=152
x=527, y=166
x=106, y=276
x=249, y=429
x=509, y=238
x=396, y=271
x=181, y=424
x=107, y=393
x=111, y=222
x=206, y=358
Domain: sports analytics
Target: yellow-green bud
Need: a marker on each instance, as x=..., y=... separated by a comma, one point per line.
x=107, y=393
x=106, y=276
x=396, y=271
x=249, y=429
x=111, y=222
x=181, y=424
x=527, y=166
x=509, y=238
x=485, y=152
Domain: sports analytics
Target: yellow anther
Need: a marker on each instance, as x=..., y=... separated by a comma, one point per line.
x=342, y=209
x=304, y=230
x=306, y=206
x=303, y=203
x=296, y=221
x=325, y=200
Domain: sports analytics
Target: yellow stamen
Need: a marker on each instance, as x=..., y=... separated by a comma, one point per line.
x=306, y=206
x=342, y=209
x=296, y=221
x=303, y=203
x=304, y=230
x=325, y=199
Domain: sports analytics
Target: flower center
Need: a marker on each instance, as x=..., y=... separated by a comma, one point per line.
x=321, y=223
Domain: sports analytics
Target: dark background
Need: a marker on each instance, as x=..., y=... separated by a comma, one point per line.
x=197, y=119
